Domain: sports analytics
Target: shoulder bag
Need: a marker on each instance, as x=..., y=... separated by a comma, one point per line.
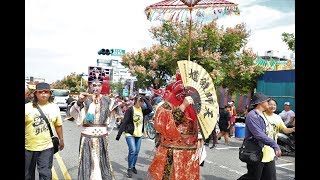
x=251, y=151
x=55, y=139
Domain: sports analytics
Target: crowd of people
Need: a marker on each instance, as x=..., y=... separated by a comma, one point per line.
x=179, y=140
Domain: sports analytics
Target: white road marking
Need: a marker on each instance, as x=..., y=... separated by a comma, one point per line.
x=284, y=159
x=228, y=148
x=229, y=169
x=286, y=164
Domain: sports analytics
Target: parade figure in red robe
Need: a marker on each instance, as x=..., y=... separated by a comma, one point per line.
x=177, y=155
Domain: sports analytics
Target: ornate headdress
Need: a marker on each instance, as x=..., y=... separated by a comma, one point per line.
x=175, y=93
x=95, y=75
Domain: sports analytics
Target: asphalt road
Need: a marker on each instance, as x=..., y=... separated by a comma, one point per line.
x=221, y=163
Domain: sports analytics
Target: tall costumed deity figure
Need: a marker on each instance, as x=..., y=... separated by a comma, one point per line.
x=92, y=114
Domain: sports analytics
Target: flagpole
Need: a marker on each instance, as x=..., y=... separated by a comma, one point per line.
x=190, y=24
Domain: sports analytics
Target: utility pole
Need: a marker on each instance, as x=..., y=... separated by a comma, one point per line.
x=81, y=75
x=131, y=86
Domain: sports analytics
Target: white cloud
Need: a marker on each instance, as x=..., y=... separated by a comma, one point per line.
x=266, y=25
x=64, y=36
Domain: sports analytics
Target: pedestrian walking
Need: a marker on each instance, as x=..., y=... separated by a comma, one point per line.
x=256, y=127
x=38, y=143
x=212, y=136
x=133, y=128
x=91, y=112
x=224, y=123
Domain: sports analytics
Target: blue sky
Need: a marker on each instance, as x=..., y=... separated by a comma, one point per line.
x=62, y=37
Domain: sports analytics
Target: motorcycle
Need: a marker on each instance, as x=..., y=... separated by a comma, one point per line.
x=286, y=143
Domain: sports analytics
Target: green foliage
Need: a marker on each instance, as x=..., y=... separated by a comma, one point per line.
x=116, y=88
x=71, y=82
x=289, y=39
x=241, y=74
x=220, y=51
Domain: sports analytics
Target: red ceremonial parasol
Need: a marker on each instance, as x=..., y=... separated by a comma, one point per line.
x=199, y=10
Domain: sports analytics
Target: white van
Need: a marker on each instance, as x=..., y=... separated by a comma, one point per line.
x=60, y=97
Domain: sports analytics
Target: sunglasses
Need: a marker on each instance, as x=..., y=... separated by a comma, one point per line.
x=43, y=91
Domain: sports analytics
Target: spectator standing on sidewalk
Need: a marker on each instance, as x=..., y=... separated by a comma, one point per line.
x=133, y=127
x=257, y=126
x=91, y=113
x=232, y=119
x=287, y=114
x=38, y=142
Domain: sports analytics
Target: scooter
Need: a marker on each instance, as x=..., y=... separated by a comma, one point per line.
x=286, y=143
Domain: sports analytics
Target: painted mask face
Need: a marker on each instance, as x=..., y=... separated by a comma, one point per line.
x=174, y=93
x=96, y=87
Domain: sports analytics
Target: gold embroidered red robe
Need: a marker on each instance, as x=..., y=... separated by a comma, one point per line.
x=176, y=157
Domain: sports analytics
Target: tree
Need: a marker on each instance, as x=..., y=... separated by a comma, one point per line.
x=116, y=87
x=71, y=82
x=215, y=48
x=289, y=39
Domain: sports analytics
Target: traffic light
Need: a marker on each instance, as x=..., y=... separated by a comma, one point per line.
x=105, y=51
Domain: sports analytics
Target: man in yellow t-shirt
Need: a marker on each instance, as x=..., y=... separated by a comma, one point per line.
x=38, y=143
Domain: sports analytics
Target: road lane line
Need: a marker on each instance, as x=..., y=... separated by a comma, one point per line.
x=63, y=168
x=229, y=169
x=54, y=174
x=227, y=148
x=287, y=164
x=284, y=159
x=224, y=167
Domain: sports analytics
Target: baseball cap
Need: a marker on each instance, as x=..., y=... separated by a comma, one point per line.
x=287, y=103
x=230, y=103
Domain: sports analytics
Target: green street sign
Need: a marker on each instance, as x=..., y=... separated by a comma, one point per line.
x=125, y=92
x=118, y=52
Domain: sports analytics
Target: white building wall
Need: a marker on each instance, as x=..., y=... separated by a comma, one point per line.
x=118, y=71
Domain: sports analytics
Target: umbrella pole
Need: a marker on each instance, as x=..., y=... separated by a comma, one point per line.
x=190, y=24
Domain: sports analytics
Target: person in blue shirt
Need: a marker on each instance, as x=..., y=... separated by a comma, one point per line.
x=256, y=128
